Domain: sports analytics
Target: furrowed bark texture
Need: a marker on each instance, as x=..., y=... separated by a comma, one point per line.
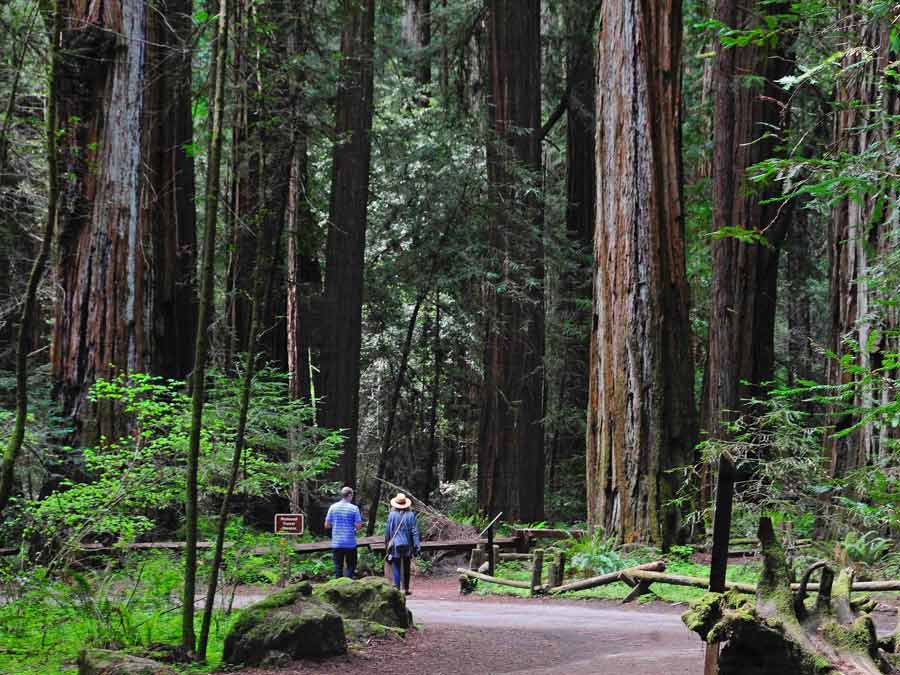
x=745, y=127
x=641, y=419
x=345, y=249
x=127, y=227
x=511, y=452
x=861, y=232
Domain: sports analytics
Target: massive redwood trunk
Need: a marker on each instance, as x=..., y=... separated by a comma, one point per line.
x=747, y=118
x=345, y=251
x=862, y=231
x=641, y=418
x=511, y=450
x=126, y=218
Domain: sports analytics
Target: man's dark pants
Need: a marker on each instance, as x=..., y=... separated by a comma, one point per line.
x=344, y=558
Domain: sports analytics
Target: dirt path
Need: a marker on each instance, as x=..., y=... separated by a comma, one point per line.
x=483, y=635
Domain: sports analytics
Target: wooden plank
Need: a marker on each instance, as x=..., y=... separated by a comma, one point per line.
x=540, y=533
x=493, y=580
x=603, y=579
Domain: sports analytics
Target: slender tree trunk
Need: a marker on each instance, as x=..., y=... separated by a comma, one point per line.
x=431, y=454
x=17, y=436
x=863, y=230
x=399, y=381
x=126, y=224
x=641, y=417
x=198, y=380
x=744, y=278
x=511, y=438
x=345, y=250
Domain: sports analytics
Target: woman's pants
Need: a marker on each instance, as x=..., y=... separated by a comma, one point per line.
x=401, y=560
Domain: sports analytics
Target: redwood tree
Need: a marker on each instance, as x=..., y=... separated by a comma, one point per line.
x=126, y=219
x=750, y=109
x=863, y=230
x=511, y=438
x=345, y=249
x=641, y=419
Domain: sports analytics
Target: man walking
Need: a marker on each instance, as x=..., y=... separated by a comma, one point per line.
x=344, y=519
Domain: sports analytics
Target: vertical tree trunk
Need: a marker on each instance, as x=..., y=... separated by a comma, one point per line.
x=345, y=250
x=862, y=231
x=641, y=418
x=431, y=454
x=581, y=191
x=201, y=345
x=511, y=438
x=126, y=220
x=744, y=279
x=417, y=36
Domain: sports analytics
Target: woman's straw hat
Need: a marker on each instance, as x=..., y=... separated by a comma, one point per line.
x=401, y=501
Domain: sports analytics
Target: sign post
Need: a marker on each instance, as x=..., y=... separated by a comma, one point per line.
x=490, y=545
x=290, y=524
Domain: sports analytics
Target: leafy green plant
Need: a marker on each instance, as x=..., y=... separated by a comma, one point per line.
x=595, y=555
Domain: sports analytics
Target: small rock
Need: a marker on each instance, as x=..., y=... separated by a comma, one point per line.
x=108, y=662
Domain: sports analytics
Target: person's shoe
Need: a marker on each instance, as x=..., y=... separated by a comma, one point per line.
x=407, y=592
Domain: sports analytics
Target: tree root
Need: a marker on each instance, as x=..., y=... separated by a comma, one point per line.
x=780, y=633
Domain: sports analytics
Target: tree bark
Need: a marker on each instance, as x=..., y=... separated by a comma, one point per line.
x=126, y=220
x=417, y=36
x=511, y=437
x=641, y=418
x=862, y=231
x=747, y=120
x=345, y=249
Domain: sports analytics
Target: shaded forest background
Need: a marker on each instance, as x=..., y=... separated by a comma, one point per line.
x=526, y=254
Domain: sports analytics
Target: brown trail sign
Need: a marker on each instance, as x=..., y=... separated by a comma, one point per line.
x=289, y=523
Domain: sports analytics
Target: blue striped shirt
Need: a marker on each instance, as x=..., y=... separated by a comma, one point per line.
x=342, y=517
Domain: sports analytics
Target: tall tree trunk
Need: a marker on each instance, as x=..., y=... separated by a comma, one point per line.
x=417, y=36
x=207, y=279
x=641, y=417
x=431, y=454
x=862, y=231
x=581, y=191
x=16, y=438
x=744, y=276
x=126, y=220
x=244, y=207
x=511, y=438
x=345, y=250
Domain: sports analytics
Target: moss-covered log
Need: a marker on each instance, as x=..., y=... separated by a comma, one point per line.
x=781, y=632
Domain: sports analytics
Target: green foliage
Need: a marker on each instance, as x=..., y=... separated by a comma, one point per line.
x=595, y=555
x=133, y=478
x=45, y=621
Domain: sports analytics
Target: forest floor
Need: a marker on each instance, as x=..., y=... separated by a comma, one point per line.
x=486, y=634
x=463, y=635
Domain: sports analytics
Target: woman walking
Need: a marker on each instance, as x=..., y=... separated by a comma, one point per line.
x=401, y=539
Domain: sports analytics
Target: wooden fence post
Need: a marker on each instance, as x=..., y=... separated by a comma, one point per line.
x=537, y=571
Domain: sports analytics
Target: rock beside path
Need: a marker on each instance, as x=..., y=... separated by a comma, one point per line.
x=370, y=600
x=288, y=624
x=107, y=662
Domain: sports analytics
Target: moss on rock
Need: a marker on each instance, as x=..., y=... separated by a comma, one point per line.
x=107, y=662
x=371, y=599
x=290, y=622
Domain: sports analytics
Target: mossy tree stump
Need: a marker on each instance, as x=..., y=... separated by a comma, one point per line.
x=783, y=632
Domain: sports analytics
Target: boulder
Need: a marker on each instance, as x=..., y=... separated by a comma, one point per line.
x=288, y=624
x=107, y=662
x=371, y=600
